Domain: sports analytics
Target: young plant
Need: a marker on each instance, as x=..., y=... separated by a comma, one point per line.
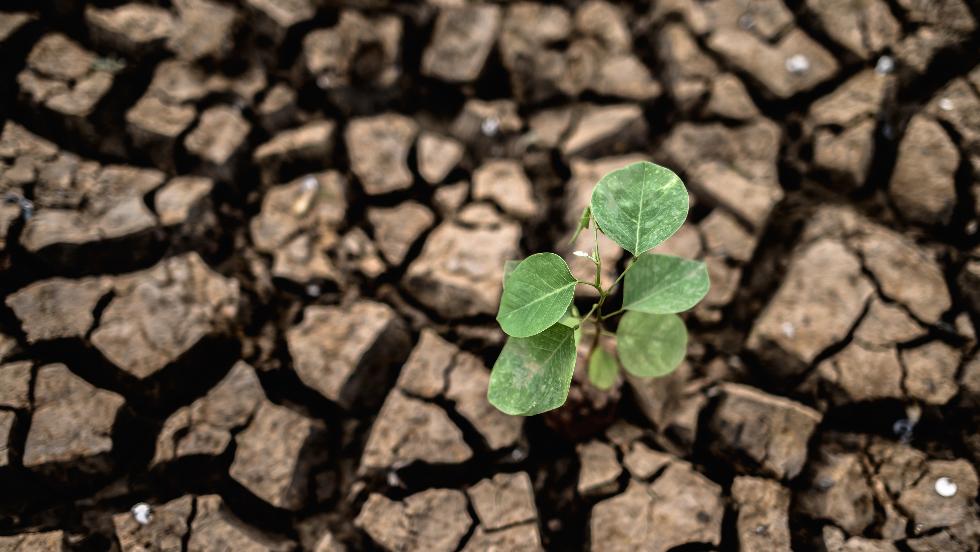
x=638, y=207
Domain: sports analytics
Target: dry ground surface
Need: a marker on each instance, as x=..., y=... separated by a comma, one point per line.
x=250, y=254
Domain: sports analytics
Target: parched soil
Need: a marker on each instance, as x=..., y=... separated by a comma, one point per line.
x=251, y=252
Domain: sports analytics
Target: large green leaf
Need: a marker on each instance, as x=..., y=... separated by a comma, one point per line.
x=639, y=206
x=664, y=284
x=532, y=374
x=536, y=295
x=651, y=344
x=603, y=369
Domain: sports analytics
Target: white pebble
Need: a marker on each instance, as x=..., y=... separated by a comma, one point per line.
x=310, y=183
x=323, y=81
x=789, y=330
x=945, y=487
x=885, y=65
x=946, y=104
x=490, y=126
x=797, y=64
x=142, y=513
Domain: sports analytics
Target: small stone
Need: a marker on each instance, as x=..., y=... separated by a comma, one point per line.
x=15, y=384
x=160, y=528
x=434, y=521
x=945, y=487
x=525, y=537
x=605, y=130
x=356, y=55
x=864, y=30
x=110, y=205
x=763, y=514
x=215, y=523
x=503, y=181
x=425, y=372
x=314, y=204
x=806, y=63
x=307, y=145
x=397, y=228
x=276, y=18
x=274, y=455
x=679, y=507
x=797, y=64
x=378, y=147
x=51, y=541
x=155, y=126
x=885, y=65
x=770, y=431
x=731, y=167
x=885, y=325
x=923, y=183
x=58, y=308
x=905, y=272
x=503, y=501
x=644, y=462
x=460, y=270
x=409, y=430
x=203, y=30
x=863, y=373
x=278, y=108
x=690, y=70
x=969, y=282
x=929, y=502
x=724, y=236
x=72, y=423
x=930, y=372
x=461, y=41
x=437, y=156
x=599, y=470
x=135, y=29
x=834, y=540
x=468, y=125
x=205, y=427
x=730, y=99
x=344, y=353
x=159, y=314
x=183, y=200
x=670, y=403
x=142, y=513
x=12, y=22
x=838, y=491
x=218, y=138
x=848, y=154
x=7, y=421
x=448, y=198
x=468, y=383
x=822, y=296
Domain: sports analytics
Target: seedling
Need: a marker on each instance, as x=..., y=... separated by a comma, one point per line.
x=638, y=207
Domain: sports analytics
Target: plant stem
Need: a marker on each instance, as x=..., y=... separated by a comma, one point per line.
x=621, y=276
x=613, y=313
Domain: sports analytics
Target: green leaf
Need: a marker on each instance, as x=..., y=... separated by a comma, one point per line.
x=536, y=295
x=651, y=344
x=603, y=369
x=664, y=284
x=583, y=223
x=639, y=206
x=532, y=374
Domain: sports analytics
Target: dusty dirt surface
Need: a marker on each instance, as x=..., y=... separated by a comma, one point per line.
x=251, y=251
